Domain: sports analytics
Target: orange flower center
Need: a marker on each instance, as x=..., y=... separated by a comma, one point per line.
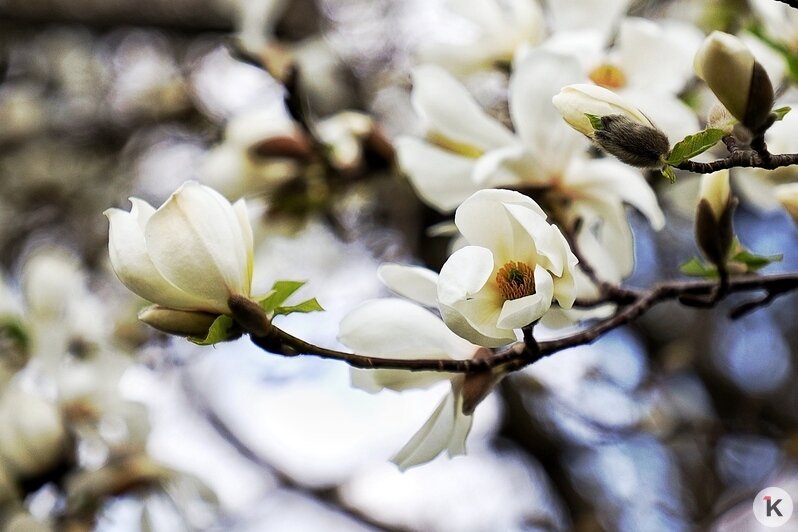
x=608, y=76
x=516, y=280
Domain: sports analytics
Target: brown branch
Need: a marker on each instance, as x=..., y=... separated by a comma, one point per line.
x=742, y=159
x=521, y=354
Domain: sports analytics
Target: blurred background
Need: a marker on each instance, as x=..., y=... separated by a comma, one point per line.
x=673, y=423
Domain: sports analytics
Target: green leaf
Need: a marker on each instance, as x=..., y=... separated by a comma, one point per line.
x=281, y=290
x=693, y=145
x=755, y=262
x=695, y=267
x=222, y=329
x=669, y=174
x=595, y=122
x=311, y=305
x=781, y=111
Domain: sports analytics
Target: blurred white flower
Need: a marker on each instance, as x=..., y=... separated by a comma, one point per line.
x=394, y=328
x=261, y=150
x=193, y=253
x=788, y=197
x=780, y=21
x=466, y=150
x=755, y=185
x=500, y=30
x=627, y=68
x=34, y=437
x=506, y=278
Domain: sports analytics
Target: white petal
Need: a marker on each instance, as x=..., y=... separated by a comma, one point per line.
x=534, y=83
x=464, y=274
x=672, y=43
x=541, y=238
x=517, y=313
x=450, y=110
x=376, y=380
x=458, y=323
x=412, y=282
x=395, y=328
x=435, y=436
x=131, y=262
x=240, y=208
x=441, y=178
x=608, y=181
x=195, y=240
x=587, y=14
x=483, y=220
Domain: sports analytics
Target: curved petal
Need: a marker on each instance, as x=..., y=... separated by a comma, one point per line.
x=484, y=221
x=464, y=274
x=376, y=380
x=451, y=111
x=458, y=323
x=441, y=178
x=542, y=239
x=395, y=328
x=672, y=43
x=412, y=282
x=240, y=208
x=195, y=240
x=132, y=264
x=517, y=313
x=587, y=14
x=535, y=81
x=436, y=435
x=609, y=181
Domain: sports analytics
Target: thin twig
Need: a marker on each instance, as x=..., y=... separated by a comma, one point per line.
x=521, y=354
x=742, y=159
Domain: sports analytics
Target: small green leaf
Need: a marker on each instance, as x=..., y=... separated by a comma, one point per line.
x=695, y=267
x=781, y=111
x=595, y=122
x=755, y=262
x=222, y=329
x=311, y=305
x=669, y=174
x=281, y=290
x=693, y=145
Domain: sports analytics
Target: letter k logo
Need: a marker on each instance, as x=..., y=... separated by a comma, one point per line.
x=772, y=506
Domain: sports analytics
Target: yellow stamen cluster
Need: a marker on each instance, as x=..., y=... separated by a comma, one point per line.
x=608, y=76
x=516, y=280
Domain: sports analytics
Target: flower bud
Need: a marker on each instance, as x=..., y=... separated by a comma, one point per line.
x=737, y=79
x=713, y=223
x=788, y=197
x=33, y=438
x=615, y=125
x=720, y=118
x=177, y=322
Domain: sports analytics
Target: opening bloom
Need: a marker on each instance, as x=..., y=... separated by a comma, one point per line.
x=191, y=254
x=516, y=265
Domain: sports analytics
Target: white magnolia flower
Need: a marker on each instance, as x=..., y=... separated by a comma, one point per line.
x=394, y=328
x=780, y=21
x=506, y=278
x=499, y=30
x=627, y=68
x=466, y=150
x=192, y=253
x=260, y=151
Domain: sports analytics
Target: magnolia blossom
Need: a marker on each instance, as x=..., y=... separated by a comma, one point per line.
x=514, y=265
x=466, y=150
x=394, y=328
x=191, y=254
x=757, y=186
x=503, y=32
x=499, y=30
x=716, y=191
x=780, y=21
x=627, y=68
x=575, y=102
